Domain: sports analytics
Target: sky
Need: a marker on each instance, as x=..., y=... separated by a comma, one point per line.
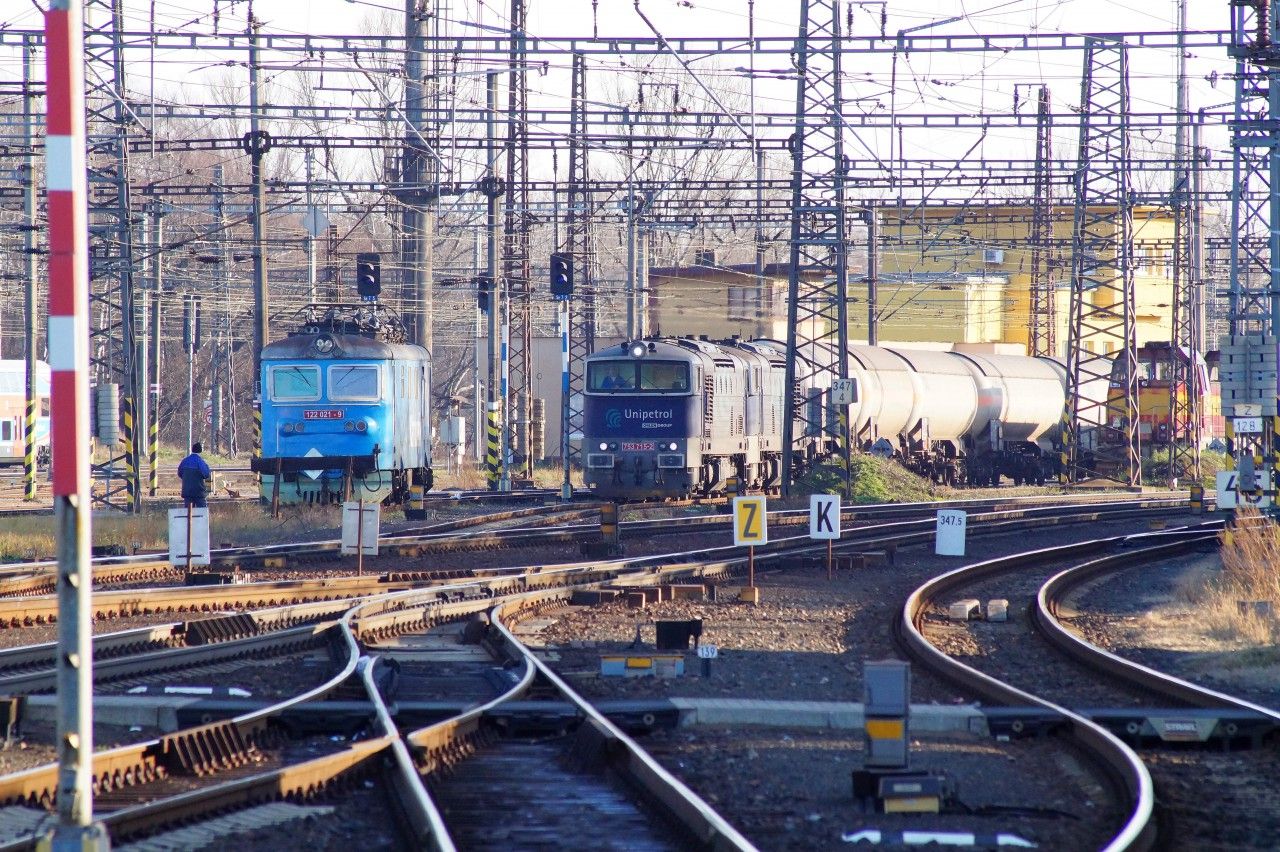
x=936, y=83
x=933, y=83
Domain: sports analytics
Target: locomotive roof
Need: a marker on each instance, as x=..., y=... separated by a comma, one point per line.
x=345, y=346
x=688, y=347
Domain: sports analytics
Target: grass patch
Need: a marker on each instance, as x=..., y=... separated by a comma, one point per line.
x=872, y=480
x=32, y=538
x=1250, y=551
x=545, y=475
x=1156, y=468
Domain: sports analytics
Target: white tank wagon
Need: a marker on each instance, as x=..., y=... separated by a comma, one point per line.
x=678, y=416
x=959, y=417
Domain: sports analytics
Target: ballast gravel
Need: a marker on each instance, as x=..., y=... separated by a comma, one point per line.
x=807, y=640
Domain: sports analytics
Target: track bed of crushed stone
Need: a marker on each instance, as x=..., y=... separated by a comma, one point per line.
x=362, y=818
x=1147, y=614
x=791, y=789
x=806, y=640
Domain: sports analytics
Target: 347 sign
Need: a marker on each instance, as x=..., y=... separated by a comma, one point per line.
x=824, y=517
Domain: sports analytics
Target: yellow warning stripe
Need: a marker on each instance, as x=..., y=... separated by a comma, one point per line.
x=885, y=729
x=29, y=451
x=130, y=466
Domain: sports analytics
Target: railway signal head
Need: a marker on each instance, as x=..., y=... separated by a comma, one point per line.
x=368, y=276
x=484, y=287
x=561, y=276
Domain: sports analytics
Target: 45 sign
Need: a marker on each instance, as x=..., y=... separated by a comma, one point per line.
x=750, y=521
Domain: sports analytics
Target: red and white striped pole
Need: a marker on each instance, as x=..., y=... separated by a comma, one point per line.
x=69, y=417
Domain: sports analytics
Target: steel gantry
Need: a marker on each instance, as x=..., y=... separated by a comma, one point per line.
x=1100, y=429
x=1185, y=385
x=114, y=345
x=817, y=290
x=515, y=248
x=579, y=312
x=1248, y=369
x=419, y=178
x=1044, y=268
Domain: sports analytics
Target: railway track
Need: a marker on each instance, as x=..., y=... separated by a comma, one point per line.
x=254, y=748
x=37, y=609
x=1104, y=707
x=461, y=535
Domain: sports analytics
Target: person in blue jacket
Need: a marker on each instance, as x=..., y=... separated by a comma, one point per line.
x=194, y=473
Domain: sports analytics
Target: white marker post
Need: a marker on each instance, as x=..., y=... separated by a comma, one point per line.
x=750, y=527
x=950, y=532
x=824, y=521
x=707, y=653
x=360, y=529
x=189, y=537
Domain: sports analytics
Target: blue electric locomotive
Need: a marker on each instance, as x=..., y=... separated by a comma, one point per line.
x=345, y=410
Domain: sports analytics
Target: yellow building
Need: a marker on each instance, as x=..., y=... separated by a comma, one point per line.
x=945, y=275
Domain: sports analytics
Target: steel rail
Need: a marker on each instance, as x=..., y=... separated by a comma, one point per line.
x=388, y=613
x=1122, y=765
x=206, y=746
x=173, y=634
x=299, y=780
x=679, y=803
x=417, y=810
x=34, y=578
x=42, y=609
x=1045, y=615
x=228, y=554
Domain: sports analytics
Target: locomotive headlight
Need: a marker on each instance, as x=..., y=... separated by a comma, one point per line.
x=614, y=446
x=288, y=428
x=603, y=446
x=349, y=426
x=297, y=427
x=637, y=350
x=324, y=345
x=361, y=426
x=673, y=446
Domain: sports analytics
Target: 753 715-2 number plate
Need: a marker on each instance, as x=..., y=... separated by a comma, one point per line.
x=638, y=446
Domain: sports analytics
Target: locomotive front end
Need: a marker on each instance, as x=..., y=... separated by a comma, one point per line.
x=641, y=421
x=324, y=421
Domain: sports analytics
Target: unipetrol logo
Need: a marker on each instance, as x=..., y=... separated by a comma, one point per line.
x=615, y=418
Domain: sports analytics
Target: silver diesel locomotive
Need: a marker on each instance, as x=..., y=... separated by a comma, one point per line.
x=673, y=417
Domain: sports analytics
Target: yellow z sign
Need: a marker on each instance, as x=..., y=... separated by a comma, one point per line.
x=750, y=523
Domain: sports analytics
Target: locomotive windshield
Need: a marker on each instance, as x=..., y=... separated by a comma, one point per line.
x=642, y=375
x=295, y=384
x=358, y=383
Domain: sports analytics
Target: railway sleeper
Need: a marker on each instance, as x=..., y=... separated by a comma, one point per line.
x=215, y=747
x=206, y=631
x=440, y=760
